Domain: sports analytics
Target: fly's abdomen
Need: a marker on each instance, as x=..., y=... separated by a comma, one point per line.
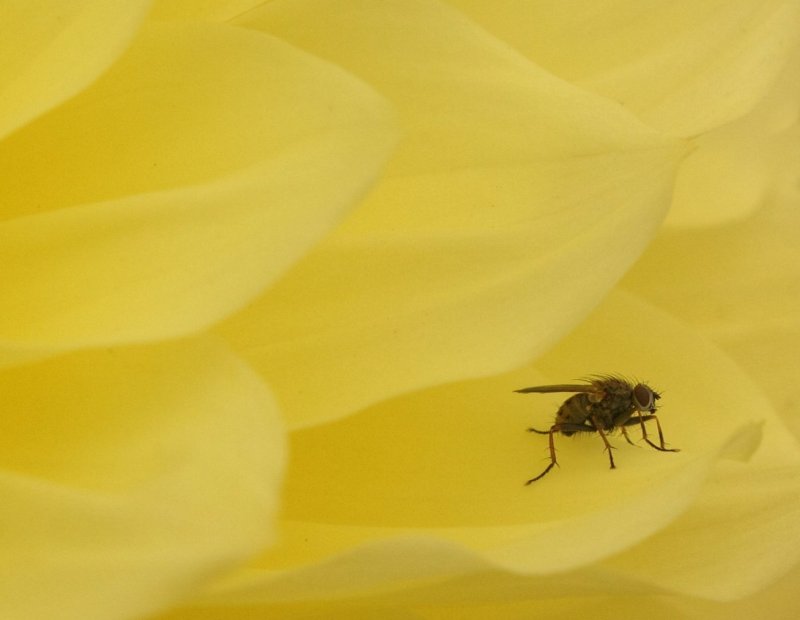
x=574, y=410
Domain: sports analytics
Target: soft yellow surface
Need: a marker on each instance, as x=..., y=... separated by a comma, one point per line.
x=395, y=213
x=513, y=202
x=217, y=10
x=685, y=66
x=173, y=190
x=721, y=72
x=52, y=49
x=428, y=489
x=739, y=285
x=130, y=476
x=742, y=166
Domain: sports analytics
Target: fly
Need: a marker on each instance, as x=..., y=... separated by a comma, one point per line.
x=602, y=405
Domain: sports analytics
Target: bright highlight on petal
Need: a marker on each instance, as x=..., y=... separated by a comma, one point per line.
x=130, y=477
x=428, y=488
x=51, y=50
x=172, y=191
x=512, y=204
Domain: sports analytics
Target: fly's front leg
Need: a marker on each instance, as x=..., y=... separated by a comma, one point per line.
x=640, y=420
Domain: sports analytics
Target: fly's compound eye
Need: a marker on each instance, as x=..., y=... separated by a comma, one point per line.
x=644, y=399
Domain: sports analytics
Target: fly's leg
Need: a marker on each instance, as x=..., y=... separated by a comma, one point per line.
x=627, y=437
x=565, y=427
x=640, y=420
x=609, y=447
x=553, y=429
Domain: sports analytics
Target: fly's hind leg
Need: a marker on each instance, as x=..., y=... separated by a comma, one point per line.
x=563, y=427
x=553, y=429
x=640, y=420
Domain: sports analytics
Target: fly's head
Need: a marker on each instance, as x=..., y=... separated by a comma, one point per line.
x=644, y=398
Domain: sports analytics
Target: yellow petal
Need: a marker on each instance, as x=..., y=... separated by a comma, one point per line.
x=173, y=190
x=130, y=477
x=52, y=49
x=725, y=179
x=740, y=537
x=511, y=206
x=216, y=10
x=684, y=67
x=779, y=601
x=725, y=280
x=738, y=284
x=743, y=166
x=427, y=490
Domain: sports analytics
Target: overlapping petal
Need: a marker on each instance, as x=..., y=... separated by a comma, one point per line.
x=746, y=165
x=532, y=172
x=512, y=204
x=740, y=286
x=685, y=67
x=51, y=50
x=174, y=189
x=131, y=476
x=419, y=501
x=724, y=73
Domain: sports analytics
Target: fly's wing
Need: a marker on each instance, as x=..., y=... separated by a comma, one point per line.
x=566, y=387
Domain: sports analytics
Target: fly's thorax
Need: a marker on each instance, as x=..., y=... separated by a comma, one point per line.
x=614, y=409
